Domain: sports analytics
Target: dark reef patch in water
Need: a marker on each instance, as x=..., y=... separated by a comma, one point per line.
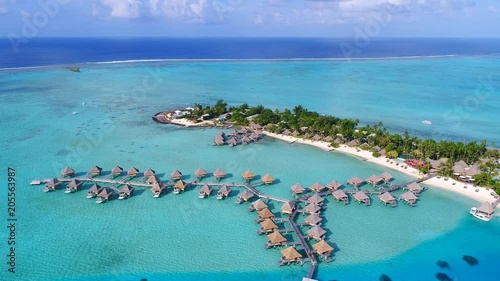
x=384, y=277
x=443, y=264
x=443, y=277
x=472, y=261
x=63, y=152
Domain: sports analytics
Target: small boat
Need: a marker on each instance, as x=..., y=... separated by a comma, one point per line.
x=68, y=190
x=90, y=195
x=176, y=191
x=47, y=189
x=83, y=103
x=426, y=122
x=156, y=195
x=99, y=200
x=121, y=197
x=202, y=195
x=480, y=215
x=75, y=112
x=36, y=182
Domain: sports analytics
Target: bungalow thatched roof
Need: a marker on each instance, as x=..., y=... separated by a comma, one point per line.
x=266, y=214
x=374, y=179
x=74, y=183
x=67, y=172
x=157, y=188
x=317, y=187
x=267, y=179
x=180, y=185
x=127, y=189
x=316, y=232
x=386, y=197
x=414, y=187
x=149, y=172
x=259, y=205
x=386, y=176
x=224, y=190
x=133, y=171
x=472, y=170
x=95, y=188
x=360, y=196
x=248, y=175
x=313, y=219
x=295, y=133
x=287, y=207
x=117, y=170
x=207, y=189
x=328, y=139
x=276, y=238
x=334, y=184
x=245, y=139
x=268, y=225
x=105, y=193
x=246, y=195
x=219, y=173
x=152, y=180
x=486, y=208
x=339, y=194
x=355, y=181
x=312, y=208
x=317, y=137
x=219, y=141
x=316, y=199
x=322, y=247
x=53, y=183
x=200, y=173
x=290, y=254
x=95, y=170
x=286, y=132
x=409, y=196
x=232, y=141
x=297, y=188
x=176, y=175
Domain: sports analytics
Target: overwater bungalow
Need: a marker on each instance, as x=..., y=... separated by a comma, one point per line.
x=254, y=126
x=361, y=197
x=243, y=130
x=316, y=199
x=245, y=140
x=152, y=180
x=234, y=132
x=179, y=187
x=117, y=171
x=289, y=255
x=287, y=208
x=355, y=181
x=219, y=141
x=257, y=206
x=415, y=188
x=68, y=172
x=104, y=195
x=157, y=189
x=312, y=209
x=248, y=175
x=133, y=172
x=176, y=175
x=334, y=185
x=386, y=177
x=245, y=195
x=95, y=171
x=297, y=189
x=267, y=226
x=323, y=249
x=125, y=192
x=264, y=214
x=340, y=195
x=275, y=239
x=317, y=187
x=387, y=198
x=223, y=192
x=483, y=212
x=93, y=191
x=220, y=134
x=52, y=185
x=316, y=232
x=219, y=174
x=200, y=173
x=267, y=179
x=409, y=198
x=232, y=142
x=149, y=172
x=374, y=179
x=205, y=191
x=73, y=186
x=313, y=219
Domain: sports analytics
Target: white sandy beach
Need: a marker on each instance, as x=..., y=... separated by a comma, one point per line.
x=482, y=195
x=188, y=123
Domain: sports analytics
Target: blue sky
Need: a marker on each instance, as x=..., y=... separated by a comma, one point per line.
x=388, y=18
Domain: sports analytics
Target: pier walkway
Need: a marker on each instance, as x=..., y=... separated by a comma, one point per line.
x=304, y=244
x=98, y=180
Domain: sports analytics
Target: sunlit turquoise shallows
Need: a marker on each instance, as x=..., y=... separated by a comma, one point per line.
x=180, y=237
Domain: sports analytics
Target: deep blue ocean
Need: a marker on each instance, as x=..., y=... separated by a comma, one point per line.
x=55, y=51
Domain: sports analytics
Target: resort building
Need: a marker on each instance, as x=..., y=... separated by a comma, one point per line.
x=312, y=209
x=149, y=173
x=287, y=208
x=313, y=219
x=116, y=171
x=52, y=185
x=258, y=205
x=95, y=171
x=223, y=192
x=176, y=175
x=133, y=172
x=205, y=191
x=317, y=187
x=265, y=214
x=386, y=177
x=219, y=174
x=93, y=191
x=68, y=172
x=248, y=175
x=323, y=249
x=409, y=198
x=334, y=185
x=245, y=196
x=414, y=187
x=275, y=239
x=355, y=181
x=267, y=226
x=316, y=232
x=200, y=173
x=152, y=180
x=387, y=198
x=104, y=195
x=340, y=195
x=374, y=180
x=73, y=186
x=289, y=254
x=179, y=187
x=157, y=190
x=125, y=192
x=267, y=179
x=316, y=199
x=361, y=197
x=297, y=189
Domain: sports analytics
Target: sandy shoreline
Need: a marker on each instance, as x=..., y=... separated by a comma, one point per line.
x=452, y=185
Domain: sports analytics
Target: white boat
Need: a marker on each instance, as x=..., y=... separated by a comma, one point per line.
x=68, y=190
x=426, y=122
x=480, y=215
x=83, y=103
x=99, y=200
x=156, y=195
x=202, y=196
x=176, y=191
x=36, y=182
x=47, y=189
x=121, y=197
x=90, y=195
x=220, y=196
x=75, y=112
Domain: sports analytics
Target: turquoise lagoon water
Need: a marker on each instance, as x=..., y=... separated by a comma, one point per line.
x=67, y=237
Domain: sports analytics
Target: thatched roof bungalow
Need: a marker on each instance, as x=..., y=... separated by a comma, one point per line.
x=219, y=174
x=287, y=208
x=116, y=171
x=334, y=185
x=317, y=187
x=133, y=172
x=312, y=208
x=259, y=205
x=386, y=177
x=267, y=179
x=95, y=171
x=297, y=189
x=340, y=195
x=387, y=198
x=276, y=238
x=248, y=175
x=316, y=199
x=374, y=179
x=200, y=173
x=356, y=181
x=316, y=232
x=245, y=195
x=313, y=219
x=53, y=184
x=149, y=172
x=268, y=225
x=409, y=198
x=68, y=172
x=206, y=190
x=290, y=254
x=265, y=214
x=223, y=192
x=176, y=175
x=361, y=197
x=322, y=248
x=74, y=185
x=414, y=187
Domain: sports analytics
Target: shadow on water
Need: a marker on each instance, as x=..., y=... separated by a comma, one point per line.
x=443, y=277
x=472, y=261
x=384, y=277
x=443, y=264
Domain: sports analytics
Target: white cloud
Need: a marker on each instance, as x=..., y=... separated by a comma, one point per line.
x=123, y=8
